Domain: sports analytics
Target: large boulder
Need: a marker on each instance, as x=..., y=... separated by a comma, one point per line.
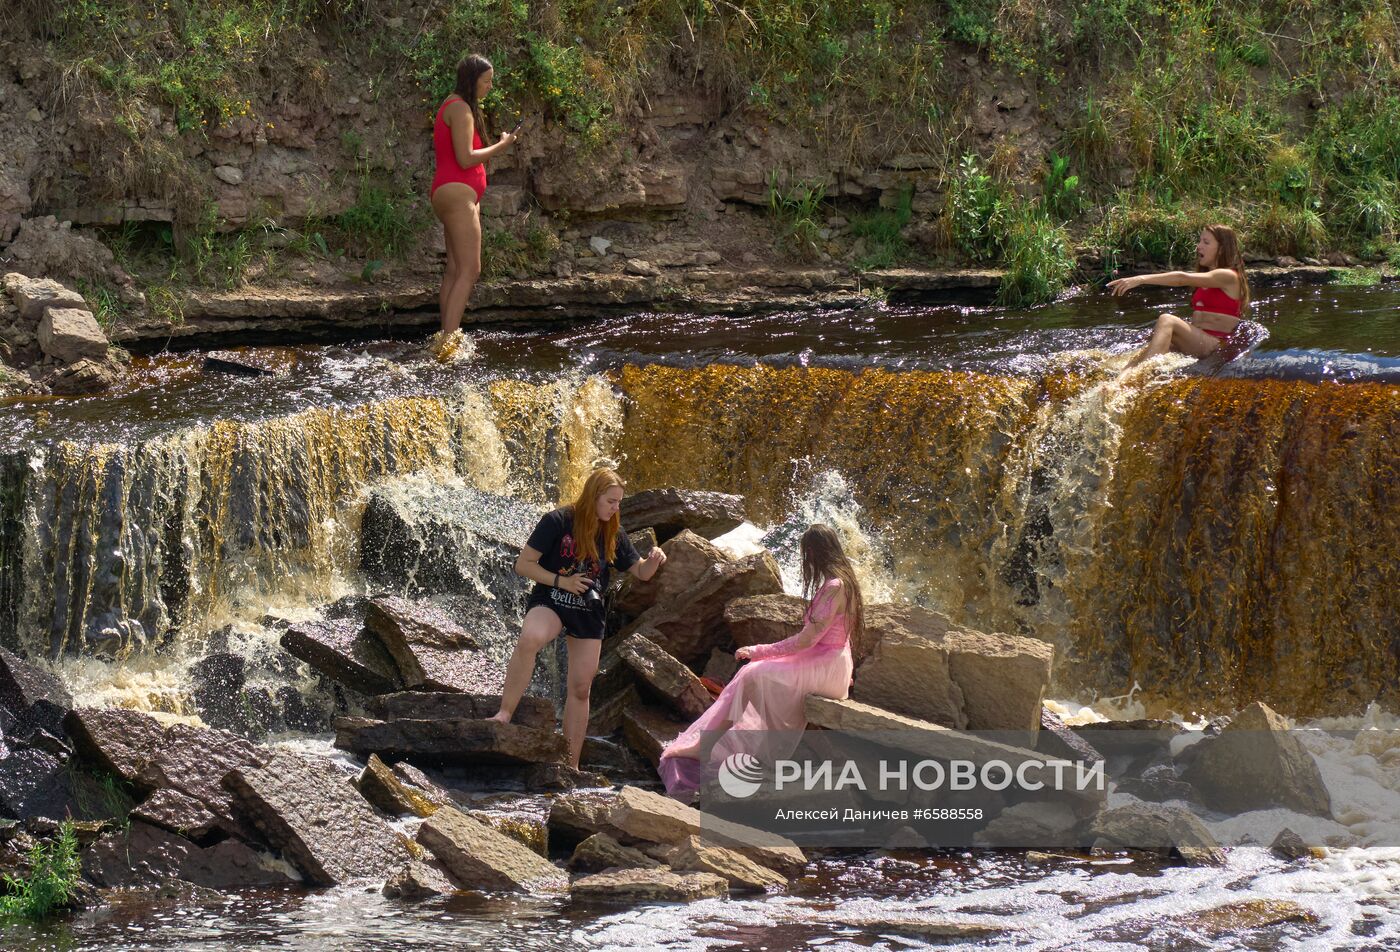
x=688, y=558
x=309, y=810
x=452, y=741
x=36, y=698
x=478, y=857
x=909, y=674
x=929, y=740
x=1156, y=826
x=663, y=677
x=600, y=851
x=694, y=854
x=70, y=334
x=764, y=619
x=430, y=649
x=636, y=886
x=33, y=295
x=691, y=625
x=420, y=538
x=641, y=815
x=669, y=511
x=648, y=731
x=146, y=855
x=345, y=652
x=150, y=756
x=1255, y=763
x=447, y=705
x=1002, y=678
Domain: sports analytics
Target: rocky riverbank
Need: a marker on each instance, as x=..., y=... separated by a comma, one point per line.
x=428, y=797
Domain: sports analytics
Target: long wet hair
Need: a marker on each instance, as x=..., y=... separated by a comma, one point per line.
x=584, y=510
x=823, y=559
x=1230, y=256
x=469, y=71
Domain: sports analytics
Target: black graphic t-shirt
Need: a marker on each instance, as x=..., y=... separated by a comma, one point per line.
x=554, y=539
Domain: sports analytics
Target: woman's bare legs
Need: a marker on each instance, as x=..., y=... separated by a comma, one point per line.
x=1172, y=333
x=541, y=627
x=456, y=207
x=583, y=667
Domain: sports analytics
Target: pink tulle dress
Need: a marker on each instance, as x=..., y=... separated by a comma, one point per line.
x=766, y=699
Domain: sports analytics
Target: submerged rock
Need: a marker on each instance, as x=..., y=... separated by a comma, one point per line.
x=309, y=810
x=669, y=511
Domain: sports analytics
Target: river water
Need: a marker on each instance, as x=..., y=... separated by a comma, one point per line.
x=985, y=463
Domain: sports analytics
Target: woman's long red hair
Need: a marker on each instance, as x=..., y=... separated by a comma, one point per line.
x=585, y=513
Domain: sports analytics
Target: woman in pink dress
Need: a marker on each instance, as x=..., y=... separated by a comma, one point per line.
x=761, y=711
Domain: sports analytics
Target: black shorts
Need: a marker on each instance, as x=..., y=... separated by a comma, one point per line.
x=578, y=621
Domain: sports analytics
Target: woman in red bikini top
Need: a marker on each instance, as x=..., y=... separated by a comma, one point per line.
x=1221, y=295
x=459, y=182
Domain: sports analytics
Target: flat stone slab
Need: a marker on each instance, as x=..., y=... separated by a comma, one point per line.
x=431, y=650
x=926, y=739
x=35, y=697
x=451, y=741
x=637, y=886
x=476, y=856
x=343, y=651
x=663, y=676
x=449, y=705
x=309, y=810
x=669, y=511
x=145, y=855
x=151, y=756
x=694, y=854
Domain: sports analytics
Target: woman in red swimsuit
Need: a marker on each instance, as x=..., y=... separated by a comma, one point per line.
x=458, y=184
x=1222, y=294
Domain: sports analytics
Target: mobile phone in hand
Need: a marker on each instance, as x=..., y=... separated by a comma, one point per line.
x=518, y=124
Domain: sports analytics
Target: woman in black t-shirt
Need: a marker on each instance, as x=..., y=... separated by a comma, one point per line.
x=569, y=556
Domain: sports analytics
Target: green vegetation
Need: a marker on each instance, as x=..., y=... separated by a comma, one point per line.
x=54, y=869
x=882, y=232
x=795, y=209
x=1279, y=119
x=524, y=246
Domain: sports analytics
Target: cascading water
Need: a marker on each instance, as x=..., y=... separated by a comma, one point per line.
x=1213, y=540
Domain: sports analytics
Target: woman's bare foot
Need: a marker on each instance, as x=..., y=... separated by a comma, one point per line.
x=688, y=750
x=500, y=717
